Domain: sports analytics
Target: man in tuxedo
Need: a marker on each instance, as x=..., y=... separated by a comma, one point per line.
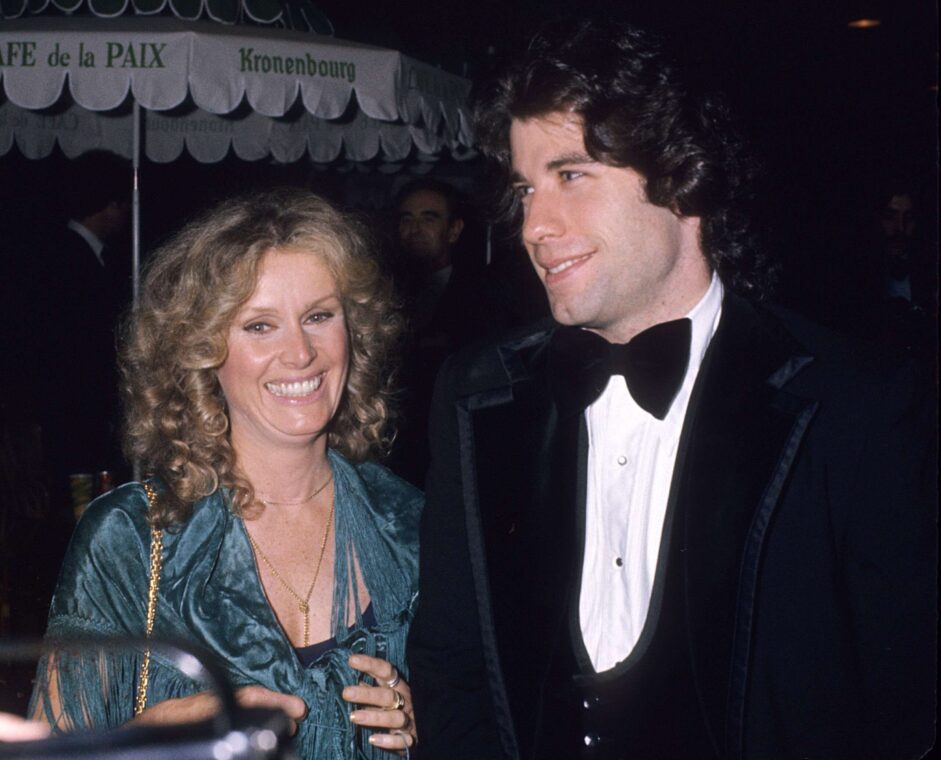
x=83, y=285
x=672, y=522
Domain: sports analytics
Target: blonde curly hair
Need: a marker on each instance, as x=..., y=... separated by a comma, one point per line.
x=176, y=421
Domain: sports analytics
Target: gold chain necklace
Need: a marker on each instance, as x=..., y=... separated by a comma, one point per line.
x=268, y=502
x=302, y=604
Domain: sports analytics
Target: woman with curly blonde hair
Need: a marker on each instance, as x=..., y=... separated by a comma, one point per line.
x=256, y=372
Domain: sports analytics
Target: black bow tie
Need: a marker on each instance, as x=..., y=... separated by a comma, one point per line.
x=653, y=364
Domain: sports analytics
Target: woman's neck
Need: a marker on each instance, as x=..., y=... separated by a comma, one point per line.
x=284, y=475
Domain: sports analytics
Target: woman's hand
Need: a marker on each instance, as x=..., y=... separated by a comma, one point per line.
x=388, y=705
x=204, y=705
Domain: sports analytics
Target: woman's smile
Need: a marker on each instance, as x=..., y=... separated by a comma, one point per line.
x=295, y=389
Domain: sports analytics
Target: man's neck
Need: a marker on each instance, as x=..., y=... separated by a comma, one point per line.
x=676, y=305
x=428, y=268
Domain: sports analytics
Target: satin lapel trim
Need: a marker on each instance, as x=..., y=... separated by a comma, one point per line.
x=740, y=439
x=511, y=442
x=475, y=537
x=748, y=582
x=580, y=508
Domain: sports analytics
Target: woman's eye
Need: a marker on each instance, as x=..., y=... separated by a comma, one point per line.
x=257, y=327
x=320, y=316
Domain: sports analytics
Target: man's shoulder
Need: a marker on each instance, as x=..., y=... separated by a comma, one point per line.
x=839, y=365
x=496, y=363
x=833, y=349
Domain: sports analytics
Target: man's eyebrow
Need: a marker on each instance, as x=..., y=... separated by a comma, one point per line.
x=423, y=212
x=565, y=159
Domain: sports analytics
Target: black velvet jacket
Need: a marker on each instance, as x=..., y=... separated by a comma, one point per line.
x=798, y=563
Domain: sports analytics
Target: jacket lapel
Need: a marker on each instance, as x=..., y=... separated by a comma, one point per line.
x=520, y=458
x=739, y=441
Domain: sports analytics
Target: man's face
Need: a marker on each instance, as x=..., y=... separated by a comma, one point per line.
x=609, y=260
x=426, y=230
x=898, y=223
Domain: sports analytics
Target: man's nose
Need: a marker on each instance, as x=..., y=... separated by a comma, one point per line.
x=542, y=218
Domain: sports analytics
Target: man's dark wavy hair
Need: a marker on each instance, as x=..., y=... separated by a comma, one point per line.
x=638, y=112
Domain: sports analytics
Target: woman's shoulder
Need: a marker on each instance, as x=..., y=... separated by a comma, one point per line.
x=386, y=492
x=383, y=482
x=104, y=570
x=120, y=514
x=106, y=567
x=389, y=489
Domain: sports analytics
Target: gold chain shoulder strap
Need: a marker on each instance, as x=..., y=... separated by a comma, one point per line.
x=156, y=563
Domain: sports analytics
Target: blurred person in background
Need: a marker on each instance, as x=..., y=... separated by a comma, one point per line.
x=438, y=280
x=84, y=285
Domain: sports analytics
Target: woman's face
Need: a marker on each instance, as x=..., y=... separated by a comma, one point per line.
x=288, y=354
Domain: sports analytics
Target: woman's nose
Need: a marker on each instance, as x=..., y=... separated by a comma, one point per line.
x=298, y=349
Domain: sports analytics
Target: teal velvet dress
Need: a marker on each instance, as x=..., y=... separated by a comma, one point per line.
x=210, y=594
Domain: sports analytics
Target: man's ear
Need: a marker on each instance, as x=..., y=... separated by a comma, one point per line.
x=455, y=229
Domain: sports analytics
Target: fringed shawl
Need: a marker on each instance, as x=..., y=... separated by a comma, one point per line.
x=210, y=594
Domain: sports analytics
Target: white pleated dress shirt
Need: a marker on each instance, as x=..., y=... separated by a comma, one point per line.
x=631, y=456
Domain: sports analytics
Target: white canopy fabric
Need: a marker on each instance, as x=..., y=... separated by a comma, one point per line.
x=290, y=14
x=207, y=88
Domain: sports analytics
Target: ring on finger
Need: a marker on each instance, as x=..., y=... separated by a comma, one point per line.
x=394, y=681
x=399, y=702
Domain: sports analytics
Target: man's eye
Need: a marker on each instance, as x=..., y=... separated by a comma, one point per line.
x=568, y=175
x=520, y=190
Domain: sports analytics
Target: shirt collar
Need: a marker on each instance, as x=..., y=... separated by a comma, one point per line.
x=705, y=318
x=89, y=237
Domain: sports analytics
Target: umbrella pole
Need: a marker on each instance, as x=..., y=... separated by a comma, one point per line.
x=135, y=206
x=135, y=233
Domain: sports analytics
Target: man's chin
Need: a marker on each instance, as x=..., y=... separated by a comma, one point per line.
x=565, y=316
x=420, y=253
